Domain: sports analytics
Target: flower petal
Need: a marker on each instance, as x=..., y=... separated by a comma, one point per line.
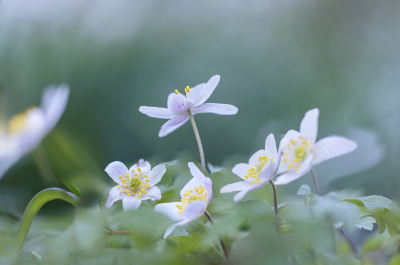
x=292, y=134
x=156, y=174
x=267, y=173
x=237, y=186
x=170, y=210
x=241, y=170
x=270, y=146
x=254, y=158
x=131, y=203
x=194, y=210
x=154, y=112
x=196, y=94
x=196, y=173
x=287, y=177
x=116, y=169
x=209, y=89
x=306, y=165
x=277, y=159
x=172, y=227
x=173, y=124
x=241, y=194
x=54, y=101
x=221, y=109
x=331, y=147
x=153, y=193
x=177, y=103
x=191, y=185
x=309, y=124
x=114, y=196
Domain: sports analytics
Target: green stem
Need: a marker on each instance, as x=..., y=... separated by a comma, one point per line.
x=34, y=206
x=275, y=197
x=349, y=241
x=314, y=178
x=43, y=164
x=221, y=241
x=196, y=133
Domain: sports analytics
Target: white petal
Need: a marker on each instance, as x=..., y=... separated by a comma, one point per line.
x=116, y=169
x=267, y=173
x=309, y=124
x=54, y=101
x=306, y=165
x=172, y=227
x=241, y=194
x=270, y=147
x=194, y=210
x=331, y=147
x=277, y=159
x=196, y=94
x=114, y=196
x=237, y=186
x=191, y=185
x=177, y=103
x=292, y=134
x=208, y=185
x=143, y=163
x=156, y=174
x=173, y=124
x=154, y=112
x=153, y=193
x=131, y=203
x=221, y=109
x=196, y=173
x=287, y=177
x=170, y=210
x=210, y=86
x=241, y=170
x=254, y=158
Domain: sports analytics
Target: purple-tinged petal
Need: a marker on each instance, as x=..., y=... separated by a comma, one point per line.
x=331, y=147
x=309, y=125
x=114, y=196
x=209, y=89
x=287, y=177
x=131, y=203
x=267, y=173
x=237, y=186
x=292, y=134
x=196, y=173
x=170, y=210
x=196, y=94
x=153, y=193
x=221, y=109
x=241, y=194
x=241, y=170
x=254, y=158
x=173, y=124
x=270, y=147
x=194, y=210
x=172, y=227
x=115, y=170
x=154, y=112
x=177, y=103
x=156, y=174
x=191, y=185
x=305, y=166
x=277, y=159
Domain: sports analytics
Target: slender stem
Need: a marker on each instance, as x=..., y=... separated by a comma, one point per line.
x=314, y=178
x=275, y=197
x=114, y=232
x=43, y=164
x=196, y=133
x=221, y=241
x=351, y=243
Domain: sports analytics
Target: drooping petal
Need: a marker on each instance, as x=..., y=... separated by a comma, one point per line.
x=331, y=147
x=156, y=174
x=221, y=109
x=114, y=196
x=241, y=194
x=196, y=94
x=209, y=89
x=309, y=124
x=196, y=173
x=270, y=146
x=254, y=158
x=115, y=170
x=154, y=112
x=54, y=101
x=241, y=170
x=237, y=186
x=287, y=177
x=173, y=124
x=306, y=165
x=153, y=194
x=172, y=227
x=177, y=103
x=131, y=203
x=267, y=173
x=170, y=210
x=194, y=210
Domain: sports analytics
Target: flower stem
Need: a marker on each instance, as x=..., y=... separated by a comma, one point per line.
x=196, y=133
x=221, y=241
x=314, y=178
x=275, y=197
x=351, y=243
x=114, y=232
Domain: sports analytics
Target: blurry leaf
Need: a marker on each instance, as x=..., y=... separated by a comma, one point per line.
x=365, y=222
x=102, y=203
x=371, y=202
x=387, y=219
x=169, y=174
x=196, y=227
x=304, y=190
x=74, y=189
x=395, y=260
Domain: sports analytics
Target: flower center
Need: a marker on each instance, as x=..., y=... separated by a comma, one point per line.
x=18, y=122
x=135, y=185
x=254, y=172
x=297, y=151
x=187, y=90
x=199, y=194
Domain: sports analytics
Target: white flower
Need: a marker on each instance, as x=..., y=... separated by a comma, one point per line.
x=196, y=196
x=303, y=152
x=135, y=184
x=27, y=129
x=178, y=106
x=261, y=168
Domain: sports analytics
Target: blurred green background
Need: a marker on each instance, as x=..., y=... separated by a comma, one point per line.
x=276, y=59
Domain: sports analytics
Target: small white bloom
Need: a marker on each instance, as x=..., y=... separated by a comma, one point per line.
x=303, y=152
x=135, y=184
x=261, y=168
x=27, y=129
x=178, y=106
x=196, y=196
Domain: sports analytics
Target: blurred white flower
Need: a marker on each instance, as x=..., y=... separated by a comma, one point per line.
x=135, y=184
x=261, y=168
x=196, y=196
x=303, y=152
x=27, y=129
x=178, y=106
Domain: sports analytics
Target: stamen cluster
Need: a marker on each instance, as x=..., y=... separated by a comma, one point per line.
x=18, y=121
x=199, y=194
x=135, y=185
x=254, y=172
x=297, y=151
x=187, y=90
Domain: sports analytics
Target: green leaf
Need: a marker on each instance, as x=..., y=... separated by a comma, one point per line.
x=304, y=190
x=395, y=260
x=196, y=227
x=372, y=202
x=169, y=173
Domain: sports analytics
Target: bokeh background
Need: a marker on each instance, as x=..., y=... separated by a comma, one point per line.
x=276, y=59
